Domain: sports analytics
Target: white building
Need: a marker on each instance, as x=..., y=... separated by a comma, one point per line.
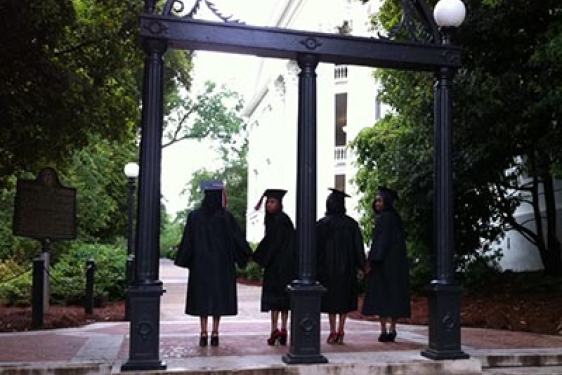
x=347, y=102
x=518, y=254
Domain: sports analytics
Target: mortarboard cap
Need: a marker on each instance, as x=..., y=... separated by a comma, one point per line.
x=212, y=185
x=339, y=193
x=389, y=192
x=271, y=193
x=275, y=193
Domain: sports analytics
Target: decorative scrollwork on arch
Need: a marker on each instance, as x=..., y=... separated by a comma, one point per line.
x=416, y=24
x=178, y=8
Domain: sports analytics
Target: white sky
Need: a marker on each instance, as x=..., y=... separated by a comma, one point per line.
x=238, y=73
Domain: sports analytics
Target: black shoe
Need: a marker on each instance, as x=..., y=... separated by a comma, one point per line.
x=215, y=339
x=391, y=336
x=203, y=339
x=383, y=337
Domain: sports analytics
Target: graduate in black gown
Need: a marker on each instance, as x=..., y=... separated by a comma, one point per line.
x=276, y=254
x=340, y=256
x=387, y=291
x=211, y=245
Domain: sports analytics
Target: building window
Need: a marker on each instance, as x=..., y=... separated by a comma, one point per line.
x=341, y=119
x=339, y=182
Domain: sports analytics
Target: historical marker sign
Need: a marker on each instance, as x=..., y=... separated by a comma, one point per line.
x=45, y=209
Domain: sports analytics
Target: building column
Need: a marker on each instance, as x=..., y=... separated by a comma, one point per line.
x=306, y=292
x=146, y=290
x=444, y=293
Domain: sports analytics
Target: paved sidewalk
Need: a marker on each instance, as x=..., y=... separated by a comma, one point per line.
x=103, y=347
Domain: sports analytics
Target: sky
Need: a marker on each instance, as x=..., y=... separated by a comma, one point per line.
x=237, y=72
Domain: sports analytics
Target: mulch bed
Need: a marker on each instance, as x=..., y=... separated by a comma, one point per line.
x=529, y=313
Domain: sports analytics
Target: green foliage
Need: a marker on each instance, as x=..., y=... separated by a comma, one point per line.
x=96, y=171
x=170, y=238
x=15, y=284
x=11, y=247
x=213, y=114
x=421, y=269
x=505, y=128
x=233, y=149
x=68, y=275
x=252, y=272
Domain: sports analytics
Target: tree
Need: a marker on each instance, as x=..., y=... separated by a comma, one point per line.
x=235, y=176
x=71, y=69
x=212, y=114
x=506, y=127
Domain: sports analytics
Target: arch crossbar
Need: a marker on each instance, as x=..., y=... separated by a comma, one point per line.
x=426, y=49
x=191, y=34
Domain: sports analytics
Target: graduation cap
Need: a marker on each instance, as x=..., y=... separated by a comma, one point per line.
x=383, y=190
x=271, y=193
x=339, y=193
x=215, y=186
x=212, y=185
x=389, y=196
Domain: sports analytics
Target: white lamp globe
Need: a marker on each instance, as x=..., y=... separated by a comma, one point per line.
x=131, y=170
x=449, y=13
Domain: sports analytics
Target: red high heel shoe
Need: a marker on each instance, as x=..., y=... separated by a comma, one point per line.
x=283, y=337
x=332, y=338
x=339, y=337
x=272, y=340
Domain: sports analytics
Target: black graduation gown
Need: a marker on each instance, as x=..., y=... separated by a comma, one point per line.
x=387, y=291
x=212, y=244
x=276, y=254
x=340, y=254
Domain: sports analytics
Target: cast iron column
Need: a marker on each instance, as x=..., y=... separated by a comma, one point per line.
x=306, y=291
x=129, y=276
x=146, y=290
x=444, y=292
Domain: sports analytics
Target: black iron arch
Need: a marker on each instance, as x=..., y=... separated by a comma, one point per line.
x=424, y=47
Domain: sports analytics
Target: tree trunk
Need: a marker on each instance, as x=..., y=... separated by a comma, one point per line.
x=552, y=257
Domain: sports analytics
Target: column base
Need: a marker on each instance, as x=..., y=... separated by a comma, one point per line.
x=444, y=302
x=143, y=365
x=144, y=327
x=292, y=359
x=305, y=324
x=439, y=355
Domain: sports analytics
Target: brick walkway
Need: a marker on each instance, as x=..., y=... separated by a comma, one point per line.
x=244, y=336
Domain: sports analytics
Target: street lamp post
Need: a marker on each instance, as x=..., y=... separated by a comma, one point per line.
x=444, y=293
x=132, y=172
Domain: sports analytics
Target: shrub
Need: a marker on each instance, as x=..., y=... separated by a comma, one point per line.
x=68, y=275
x=15, y=284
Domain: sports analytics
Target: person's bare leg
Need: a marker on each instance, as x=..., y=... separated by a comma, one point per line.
x=274, y=320
x=333, y=336
x=341, y=328
x=342, y=320
x=392, y=330
x=215, y=333
x=392, y=325
x=274, y=336
x=216, y=322
x=203, y=337
x=203, y=321
x=284, y=320
x=283, y=333
x=384, y=335
x=332, y=320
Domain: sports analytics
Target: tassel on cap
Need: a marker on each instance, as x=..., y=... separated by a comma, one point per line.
x=271, y=193
x=258, y=205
